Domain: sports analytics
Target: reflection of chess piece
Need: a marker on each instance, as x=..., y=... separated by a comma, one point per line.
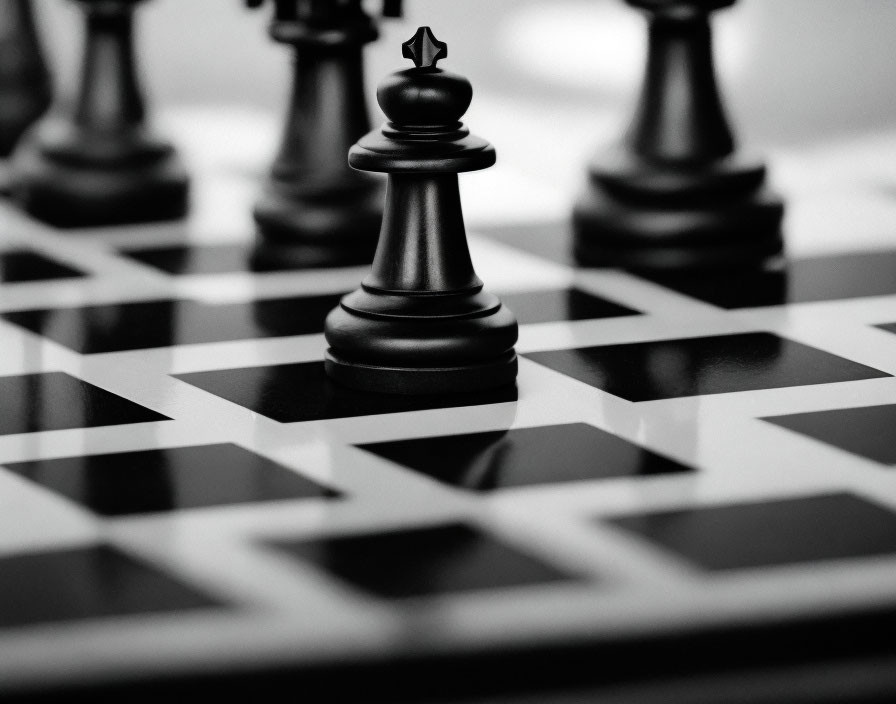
x=24, y=80
x=675, y=194
x=99, y=165
x=314, y=210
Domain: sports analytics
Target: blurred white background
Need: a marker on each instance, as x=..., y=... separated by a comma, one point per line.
x=794, y=70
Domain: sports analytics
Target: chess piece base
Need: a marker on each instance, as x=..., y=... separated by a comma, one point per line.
x=76, y=192
x=324, y=228
x=269, y=255
x=481, y=376
x=420, y=344
x=639, y=215
x=19, y=110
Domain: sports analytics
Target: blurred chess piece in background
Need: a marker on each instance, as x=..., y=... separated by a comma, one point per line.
x=676, y=193
x=25, y=90
x=96, y=162
x=315, y=210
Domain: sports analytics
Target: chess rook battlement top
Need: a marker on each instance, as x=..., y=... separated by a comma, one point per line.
x=109, y=8
x=680, y=9
x=325, y=23
x=424, y=105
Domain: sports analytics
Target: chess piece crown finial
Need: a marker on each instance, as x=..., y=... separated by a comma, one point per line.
x=425, y=96
x=424, y=49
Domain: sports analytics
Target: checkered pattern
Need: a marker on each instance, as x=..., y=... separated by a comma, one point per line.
x=613, y=554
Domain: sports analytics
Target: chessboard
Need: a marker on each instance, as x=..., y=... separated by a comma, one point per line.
x=689, y=495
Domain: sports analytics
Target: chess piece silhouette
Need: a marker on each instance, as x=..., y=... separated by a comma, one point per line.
x=421, y=321
x=675, y=193
x=24, y=80
x=314, y=210
x=99, y=164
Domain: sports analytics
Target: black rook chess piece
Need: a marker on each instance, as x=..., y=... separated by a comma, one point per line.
x=675, y=194
x=98, y=164
x=24, y=79
x=421, y=322
x=314, y=210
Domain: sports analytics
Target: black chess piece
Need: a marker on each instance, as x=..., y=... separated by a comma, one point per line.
x=24, y=80
x=314, y=210
x=675, y=194
x=98, y=164
x=421, y=322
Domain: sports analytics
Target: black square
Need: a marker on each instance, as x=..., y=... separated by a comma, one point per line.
x=782, y=532
x=148, y=324
x=22, y=265
x=825, y=278
x=647, y=371
x=423, y=561
x=867, y=432
x=561, y=304
x=150, y=481
x=87, y=583
x=550, y=240
x=290, y=393
x=552, y=454
x=57, y=401
x=211, y=259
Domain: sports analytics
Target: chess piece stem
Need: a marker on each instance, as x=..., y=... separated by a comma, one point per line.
x=314, y=209
x=680, y=116
x=98, y=164
x=110, y=96
x=423, y=245
x=675, y=193
x=24, y=80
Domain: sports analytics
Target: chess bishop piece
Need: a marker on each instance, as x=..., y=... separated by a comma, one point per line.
x=24, y=80
x=675, y=194
x=314, y=210
x=98, y=164
x=421, y=322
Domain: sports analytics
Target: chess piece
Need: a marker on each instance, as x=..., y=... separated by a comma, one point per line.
x=675, y=194
x=421, y=321
x=314, y=210
x=99, y=164
x=24, y=79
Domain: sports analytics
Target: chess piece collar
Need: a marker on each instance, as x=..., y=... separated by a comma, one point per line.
x=424, y=105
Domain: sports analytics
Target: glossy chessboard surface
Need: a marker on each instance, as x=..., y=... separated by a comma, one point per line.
x=692, y=478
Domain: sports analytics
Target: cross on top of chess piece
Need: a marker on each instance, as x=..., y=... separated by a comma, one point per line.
x=424, y=49
x=680, y=7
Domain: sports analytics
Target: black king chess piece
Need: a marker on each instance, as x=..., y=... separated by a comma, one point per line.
x=314, y=210
x=421, y=321
x=675, y=194
x=98, y=164
x=24, y=79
